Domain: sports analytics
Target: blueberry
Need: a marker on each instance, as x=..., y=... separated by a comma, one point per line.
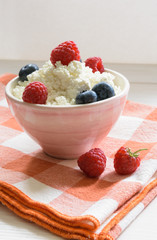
x=86, y=97
x=103, y=91
x=26, y=70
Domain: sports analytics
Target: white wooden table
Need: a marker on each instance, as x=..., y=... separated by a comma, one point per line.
x=143, y=89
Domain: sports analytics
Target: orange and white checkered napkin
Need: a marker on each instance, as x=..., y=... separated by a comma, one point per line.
x=57, y=196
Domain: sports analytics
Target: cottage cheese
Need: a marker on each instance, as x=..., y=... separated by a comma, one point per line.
x=64, y=83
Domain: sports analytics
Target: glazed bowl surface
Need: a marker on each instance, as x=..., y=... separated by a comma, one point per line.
x=66, y=132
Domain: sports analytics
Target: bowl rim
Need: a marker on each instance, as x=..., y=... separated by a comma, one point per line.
x=43, y=106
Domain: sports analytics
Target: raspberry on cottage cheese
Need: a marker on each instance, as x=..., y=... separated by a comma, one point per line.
x=65, y=82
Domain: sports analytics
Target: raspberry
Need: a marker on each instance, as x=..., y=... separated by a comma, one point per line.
x=95, y=63
x=93, y=162
x=35, y=92
x=65, y=52
x=126, y=162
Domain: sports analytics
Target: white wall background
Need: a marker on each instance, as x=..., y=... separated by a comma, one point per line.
x=119, y=31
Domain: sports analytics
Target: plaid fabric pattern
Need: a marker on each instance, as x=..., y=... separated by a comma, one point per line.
x=56, y=195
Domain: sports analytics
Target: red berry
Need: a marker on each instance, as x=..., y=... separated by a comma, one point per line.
x=126, y=162
x=92, y=163
x=95, y=63
x=35, y=92
x=65, y=52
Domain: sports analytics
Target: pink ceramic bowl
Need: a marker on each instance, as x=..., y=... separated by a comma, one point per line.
x=68, y=131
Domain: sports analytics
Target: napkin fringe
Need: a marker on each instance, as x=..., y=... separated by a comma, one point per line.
x=58, y=231
x=60, y=224
x=79, y=221
x=119, y=216
x=41, y=220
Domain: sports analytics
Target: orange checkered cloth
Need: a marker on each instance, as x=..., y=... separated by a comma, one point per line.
x=56, y=195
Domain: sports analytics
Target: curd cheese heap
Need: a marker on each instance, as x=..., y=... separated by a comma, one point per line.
x=66, y=79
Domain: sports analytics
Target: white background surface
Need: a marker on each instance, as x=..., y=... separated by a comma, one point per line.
x=121, y=31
